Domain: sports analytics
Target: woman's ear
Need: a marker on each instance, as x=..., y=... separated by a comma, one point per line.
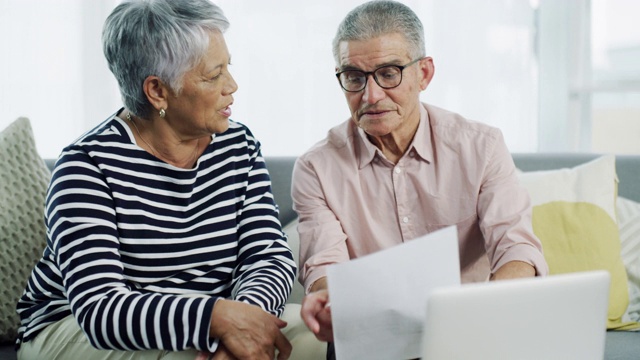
x=156, y=91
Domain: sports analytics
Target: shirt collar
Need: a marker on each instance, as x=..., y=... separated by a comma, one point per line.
x=368, y=151
x=421, y=142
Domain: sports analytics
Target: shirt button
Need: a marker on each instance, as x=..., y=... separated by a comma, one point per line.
x=405, y=219
x=412, y=154
x=397, y=170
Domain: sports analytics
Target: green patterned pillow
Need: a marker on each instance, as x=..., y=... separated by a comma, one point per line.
x=24, y=182
x=574, y=215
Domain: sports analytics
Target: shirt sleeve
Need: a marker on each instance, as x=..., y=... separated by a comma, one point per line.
x=322, y=240
x=504, y=209
x=266, y=270
x=84, y=241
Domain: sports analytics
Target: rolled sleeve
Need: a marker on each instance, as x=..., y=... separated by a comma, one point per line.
x=322, y=241
x=504, y=208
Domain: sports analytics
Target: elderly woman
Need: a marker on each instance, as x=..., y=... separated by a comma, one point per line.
x=162, y=233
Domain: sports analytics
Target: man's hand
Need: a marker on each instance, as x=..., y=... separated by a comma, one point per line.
x=247, y=332
x=316, y=314
x=514, y=270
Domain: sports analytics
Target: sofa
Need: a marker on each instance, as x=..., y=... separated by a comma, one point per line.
x=619, y=344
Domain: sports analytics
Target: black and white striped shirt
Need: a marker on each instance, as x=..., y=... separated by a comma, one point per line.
x=139, y=250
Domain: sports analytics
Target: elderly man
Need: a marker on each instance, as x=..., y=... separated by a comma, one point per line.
x=399, y=168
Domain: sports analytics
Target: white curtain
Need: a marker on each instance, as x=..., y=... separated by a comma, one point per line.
x=53, y=70
x=281, y=50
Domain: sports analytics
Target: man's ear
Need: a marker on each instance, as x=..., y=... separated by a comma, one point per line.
x=157, y=92
x=427, y=69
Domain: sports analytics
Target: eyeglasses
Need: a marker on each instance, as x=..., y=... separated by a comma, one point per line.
x=387, y=77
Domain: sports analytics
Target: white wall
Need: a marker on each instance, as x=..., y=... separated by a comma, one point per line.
x=52, y=69
x=282, y=61
x=281, y=53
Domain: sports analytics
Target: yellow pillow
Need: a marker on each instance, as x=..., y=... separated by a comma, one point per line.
x=574, y=215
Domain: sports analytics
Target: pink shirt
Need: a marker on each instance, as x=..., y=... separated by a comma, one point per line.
x=352, y=201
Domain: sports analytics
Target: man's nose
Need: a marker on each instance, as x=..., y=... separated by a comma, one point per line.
x=372, y=91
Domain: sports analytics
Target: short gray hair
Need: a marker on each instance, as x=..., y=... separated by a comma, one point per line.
x=377, y=18
x=165, y=38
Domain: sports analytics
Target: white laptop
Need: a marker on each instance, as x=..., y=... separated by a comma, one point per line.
x=554, y=317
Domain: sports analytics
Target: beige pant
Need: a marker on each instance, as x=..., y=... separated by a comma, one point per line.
x=65, y=340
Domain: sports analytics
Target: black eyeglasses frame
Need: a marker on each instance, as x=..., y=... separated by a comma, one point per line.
x=375, y=78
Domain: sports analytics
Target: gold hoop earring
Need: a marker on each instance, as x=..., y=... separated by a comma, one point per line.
x=162, y=113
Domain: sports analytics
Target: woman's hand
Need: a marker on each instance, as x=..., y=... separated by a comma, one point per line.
x=221, y=354
x=247, y=332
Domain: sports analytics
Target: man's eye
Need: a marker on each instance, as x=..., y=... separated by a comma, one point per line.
x=388, y=72
x=353, y=77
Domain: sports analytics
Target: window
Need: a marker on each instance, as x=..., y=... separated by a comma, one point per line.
x=483, y=53
x=590, y=76
x=615, y=93
x=552, y=75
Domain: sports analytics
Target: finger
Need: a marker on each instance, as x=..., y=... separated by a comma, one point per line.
x=324, y=316
x=283, y=345
x=311, y=322
x=325, y=337
x=326, y=325
x=281, y=323
x=202, y=356
x=222, y=354
x=308, y=312
x=325, y=334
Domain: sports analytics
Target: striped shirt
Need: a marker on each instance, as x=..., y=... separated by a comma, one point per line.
x=139, y=250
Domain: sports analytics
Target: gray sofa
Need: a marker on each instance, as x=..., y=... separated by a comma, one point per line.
x=619, y=345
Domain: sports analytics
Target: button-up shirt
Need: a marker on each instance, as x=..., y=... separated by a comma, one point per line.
x=351, y=201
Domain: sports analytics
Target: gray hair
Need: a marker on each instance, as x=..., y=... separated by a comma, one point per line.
x=165, y=38
x=377, y=18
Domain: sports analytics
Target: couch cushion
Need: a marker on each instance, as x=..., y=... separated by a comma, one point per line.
x=22, y=232
x=280, y=169
x=629, y=224
x=291, y=229
x=574, y=215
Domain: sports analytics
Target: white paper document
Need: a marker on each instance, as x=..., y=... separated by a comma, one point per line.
x=378, y=301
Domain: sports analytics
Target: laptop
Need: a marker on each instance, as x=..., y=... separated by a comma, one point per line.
x=554, y=317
